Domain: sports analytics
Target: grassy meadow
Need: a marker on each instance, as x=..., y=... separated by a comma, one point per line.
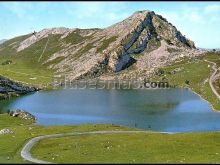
x=149, y=147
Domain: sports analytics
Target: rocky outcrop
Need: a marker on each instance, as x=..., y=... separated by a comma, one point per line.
x=22, y=114
x=139, y=37
x=150, y=27
x=10, y=88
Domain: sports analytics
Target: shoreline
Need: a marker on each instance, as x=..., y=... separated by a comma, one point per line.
x=213, y=109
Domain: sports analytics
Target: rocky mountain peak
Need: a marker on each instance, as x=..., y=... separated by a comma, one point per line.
x=140, y=31
x=145, y=40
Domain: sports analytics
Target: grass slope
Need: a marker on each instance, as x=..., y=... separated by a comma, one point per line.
x=27, y=65
x=197, y=72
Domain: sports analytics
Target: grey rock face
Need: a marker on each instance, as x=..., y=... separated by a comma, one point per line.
x=151, y=26
x=137, y=35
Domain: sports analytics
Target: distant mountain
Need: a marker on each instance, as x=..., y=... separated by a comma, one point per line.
x=208, y=49
x=2, y=41
x=144, y=41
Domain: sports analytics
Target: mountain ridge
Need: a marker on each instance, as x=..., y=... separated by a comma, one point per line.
x=143, y=38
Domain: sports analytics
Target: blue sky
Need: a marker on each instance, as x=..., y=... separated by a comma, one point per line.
x=199, y=21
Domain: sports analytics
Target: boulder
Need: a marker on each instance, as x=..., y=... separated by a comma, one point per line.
x=22, y=114
x=5, y=131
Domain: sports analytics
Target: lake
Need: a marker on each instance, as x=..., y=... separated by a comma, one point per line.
x=171, y=110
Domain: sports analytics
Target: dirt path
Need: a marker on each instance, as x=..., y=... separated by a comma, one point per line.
x=25, y=152
x=213, y=78
x=43, y=50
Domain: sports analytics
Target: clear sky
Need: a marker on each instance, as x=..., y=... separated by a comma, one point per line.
x=199, y=21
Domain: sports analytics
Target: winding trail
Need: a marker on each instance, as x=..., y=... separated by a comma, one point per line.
x=25, y=152
x=213, y=77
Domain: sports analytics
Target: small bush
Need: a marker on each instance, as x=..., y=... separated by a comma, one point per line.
x=7, y=62
x=187, y=82
x=160, y=72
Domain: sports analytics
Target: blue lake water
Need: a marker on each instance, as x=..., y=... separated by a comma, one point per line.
x=172, y=110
